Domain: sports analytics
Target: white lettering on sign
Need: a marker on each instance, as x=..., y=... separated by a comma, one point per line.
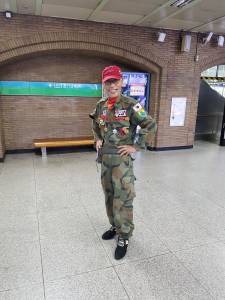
x=120, y=113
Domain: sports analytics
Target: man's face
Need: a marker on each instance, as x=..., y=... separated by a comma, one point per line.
x=113, y=87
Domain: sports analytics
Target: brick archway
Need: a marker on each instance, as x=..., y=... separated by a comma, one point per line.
x=206, y=64
x=121, y=51
x=46, y=42
x=57, y=40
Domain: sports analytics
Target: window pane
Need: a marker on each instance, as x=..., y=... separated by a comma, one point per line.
x=221, y=71
x=210, y=72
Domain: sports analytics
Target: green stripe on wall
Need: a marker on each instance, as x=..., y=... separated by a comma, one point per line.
x=51, y=92
x=50, y=89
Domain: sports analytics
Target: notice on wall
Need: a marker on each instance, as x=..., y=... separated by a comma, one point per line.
x=178, y=110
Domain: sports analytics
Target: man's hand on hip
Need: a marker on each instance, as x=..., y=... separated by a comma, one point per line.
x=98, y=144
x=126, y=150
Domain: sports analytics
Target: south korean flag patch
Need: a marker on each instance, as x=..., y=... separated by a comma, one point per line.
x=137, y=107
x=139, y=110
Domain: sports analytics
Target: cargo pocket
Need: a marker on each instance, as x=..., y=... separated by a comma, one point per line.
x=128, y=187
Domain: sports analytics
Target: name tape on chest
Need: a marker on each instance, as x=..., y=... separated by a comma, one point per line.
x=120, y=113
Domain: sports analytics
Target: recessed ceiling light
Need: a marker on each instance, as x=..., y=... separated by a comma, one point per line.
x=161, y=37
x=220, y=40
x=207, y=38
x=8, y=14
x=181, y=3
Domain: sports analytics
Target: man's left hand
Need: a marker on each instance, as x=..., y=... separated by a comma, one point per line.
x=126, y=150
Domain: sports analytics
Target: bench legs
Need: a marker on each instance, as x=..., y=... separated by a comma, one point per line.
x=43, y=152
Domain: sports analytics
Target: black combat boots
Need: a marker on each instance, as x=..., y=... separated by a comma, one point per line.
x=121, y=248
x=109, y=234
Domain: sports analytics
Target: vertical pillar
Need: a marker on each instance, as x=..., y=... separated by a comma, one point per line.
x=2, y=144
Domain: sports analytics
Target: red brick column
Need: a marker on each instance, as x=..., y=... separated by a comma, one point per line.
x=2, y=145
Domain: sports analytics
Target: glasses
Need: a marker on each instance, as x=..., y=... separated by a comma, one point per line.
x=112, y=81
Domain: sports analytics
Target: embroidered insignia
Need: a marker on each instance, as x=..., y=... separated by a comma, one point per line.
x=123, y=131
x=103, y=117
x=119, y=119
x=139, y=110
x=142, y=113
x=137, y=107
x=101, y=122
x=120, y=113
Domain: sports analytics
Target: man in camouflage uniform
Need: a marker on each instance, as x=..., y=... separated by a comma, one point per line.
x=115, y=120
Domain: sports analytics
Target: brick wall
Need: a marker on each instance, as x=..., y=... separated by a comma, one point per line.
x=26, y=42
x=28, y=117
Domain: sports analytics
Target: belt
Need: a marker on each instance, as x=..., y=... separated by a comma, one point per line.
x=107, y=150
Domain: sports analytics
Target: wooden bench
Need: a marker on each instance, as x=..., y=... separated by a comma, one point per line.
x=61, y=142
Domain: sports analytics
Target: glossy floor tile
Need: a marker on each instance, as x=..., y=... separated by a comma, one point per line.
x=162, y=277
x=102, y=284
x=31, y=292
x=52, y=216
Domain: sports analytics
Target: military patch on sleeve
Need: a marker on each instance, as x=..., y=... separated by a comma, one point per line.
x=140, y=110
x=137, y=107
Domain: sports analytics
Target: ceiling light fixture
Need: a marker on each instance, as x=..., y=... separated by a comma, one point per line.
x=161, y=37
x=8, y=14
x=186, y=42
x=207, y=38
x=220, y=41
x=181, y=3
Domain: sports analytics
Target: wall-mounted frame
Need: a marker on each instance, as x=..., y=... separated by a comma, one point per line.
x=178, y=111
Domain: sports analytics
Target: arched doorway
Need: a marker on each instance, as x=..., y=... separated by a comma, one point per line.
x=26, y=117
x=211, y=104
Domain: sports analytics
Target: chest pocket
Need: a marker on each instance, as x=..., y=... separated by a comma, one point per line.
x=115, y=124
x=121, y=122
x=122, y=128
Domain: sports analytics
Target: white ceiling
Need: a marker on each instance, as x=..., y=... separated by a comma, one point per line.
x=199, y=15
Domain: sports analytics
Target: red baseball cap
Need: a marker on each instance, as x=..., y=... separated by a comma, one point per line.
x=111, y=72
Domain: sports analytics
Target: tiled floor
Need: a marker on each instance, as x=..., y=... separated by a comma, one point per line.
x=52, y=216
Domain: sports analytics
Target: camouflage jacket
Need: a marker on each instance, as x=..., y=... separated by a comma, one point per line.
x=119, y=125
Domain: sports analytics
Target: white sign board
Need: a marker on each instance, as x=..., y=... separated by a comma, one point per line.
x=137, y=90
x=178, y=110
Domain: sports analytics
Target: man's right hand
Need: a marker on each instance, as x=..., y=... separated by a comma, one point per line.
x=98, y=144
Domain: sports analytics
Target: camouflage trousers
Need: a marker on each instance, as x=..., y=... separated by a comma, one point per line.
x=117, y=179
